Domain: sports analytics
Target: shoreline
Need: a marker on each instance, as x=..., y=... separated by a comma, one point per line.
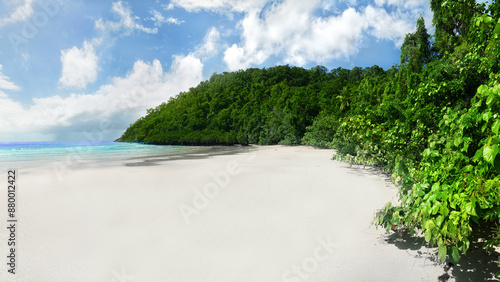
x=271, y=213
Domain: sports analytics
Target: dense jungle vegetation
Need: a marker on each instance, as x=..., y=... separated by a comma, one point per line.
x=433, y=121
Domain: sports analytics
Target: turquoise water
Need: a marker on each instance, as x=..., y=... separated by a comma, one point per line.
x=13, y=154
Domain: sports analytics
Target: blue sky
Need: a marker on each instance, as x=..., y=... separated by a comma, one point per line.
x=85, y=70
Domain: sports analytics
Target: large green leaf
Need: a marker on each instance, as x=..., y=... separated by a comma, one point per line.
x=491, y=98
x=442, y=252
x=428, y=235
x=436, y=207
x=439, y=220
x=490, y=152
x=470, y=208
x=497, y=28
x=482, y=89
x=496, y=127
x=444, y=209
x=487, y=116
x=429, y=224
x=479, y=153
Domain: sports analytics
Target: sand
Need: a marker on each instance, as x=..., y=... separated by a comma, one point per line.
x=272, y=213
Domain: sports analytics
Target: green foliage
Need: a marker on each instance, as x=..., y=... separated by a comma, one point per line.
x=416, y=51
x=320, y=133
x=456, y=184
x=452, y=20
x=454, y=187
x=259, y=106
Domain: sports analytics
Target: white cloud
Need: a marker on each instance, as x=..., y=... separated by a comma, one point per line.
x=22, y=12
x=10, y=112
x=6, y=84
x=159, y=19
x=388, y=26
x=219, y=5
x=328, y=39
x=269, y=32
x=127, y=22
x=118, y=103
x=292, y=30
x=167, y=7
x=79, y=66
x=210, y=46
x=402, y=3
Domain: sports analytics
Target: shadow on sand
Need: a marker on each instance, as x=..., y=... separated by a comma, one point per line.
x=476, y=265
x=194, y=153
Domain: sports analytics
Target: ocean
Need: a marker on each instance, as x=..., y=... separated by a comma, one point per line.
x=84, y=153
x=75, y=154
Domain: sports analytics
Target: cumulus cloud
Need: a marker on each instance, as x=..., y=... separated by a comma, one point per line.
x=328, y=38
x=127, y=21
x=388, y=26
x=20, y=13
x=5, y=82
x=269, y=32
x=294, y=30
x=118, y=103
x=79, y=66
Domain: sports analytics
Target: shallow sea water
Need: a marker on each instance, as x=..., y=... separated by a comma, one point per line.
x=85, y=153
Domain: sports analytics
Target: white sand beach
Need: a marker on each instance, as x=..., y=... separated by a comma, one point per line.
x=273, y=213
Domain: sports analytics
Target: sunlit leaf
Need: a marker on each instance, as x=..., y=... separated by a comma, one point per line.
x=495, y=127
x=429, y=225
x=487, y=116
x=428, y=235
x=436, y=207
x=490, y=152
x=482, y=89
x=491, y=98
x=470, y=208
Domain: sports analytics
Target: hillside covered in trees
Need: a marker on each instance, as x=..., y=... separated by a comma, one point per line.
x=433, y=121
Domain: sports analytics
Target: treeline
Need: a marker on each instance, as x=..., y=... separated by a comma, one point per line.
x=433, y=121
x=258, y=106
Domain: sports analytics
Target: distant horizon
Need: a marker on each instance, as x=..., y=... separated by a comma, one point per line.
x=53, y=141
